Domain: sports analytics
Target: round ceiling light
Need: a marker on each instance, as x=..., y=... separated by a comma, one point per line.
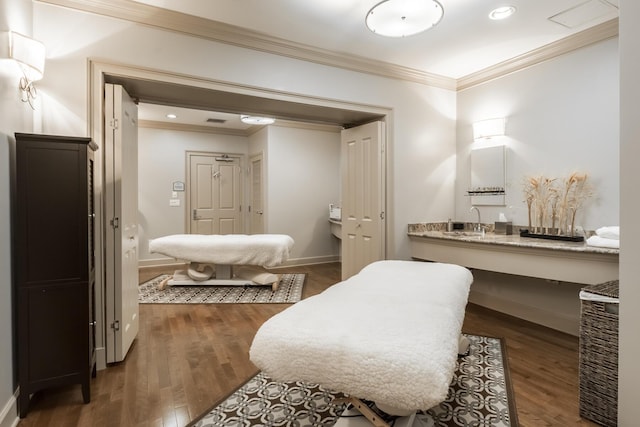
x=256, y=120
x=502, y=12
x=401, y=18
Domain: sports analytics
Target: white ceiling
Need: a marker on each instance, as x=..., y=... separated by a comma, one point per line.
x=187, y=116
x=465, y=41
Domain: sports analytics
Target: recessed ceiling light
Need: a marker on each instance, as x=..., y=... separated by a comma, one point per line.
x=256, y=120
x=171, y=116
x=502, y=12
x=400, y=18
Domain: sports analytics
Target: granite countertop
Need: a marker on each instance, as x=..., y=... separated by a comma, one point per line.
x=437, y=230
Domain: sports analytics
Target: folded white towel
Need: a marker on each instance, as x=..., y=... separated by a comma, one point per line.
x=603, y=242
x=611, y=232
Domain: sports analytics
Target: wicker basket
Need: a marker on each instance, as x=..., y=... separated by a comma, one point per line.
x=599, y=355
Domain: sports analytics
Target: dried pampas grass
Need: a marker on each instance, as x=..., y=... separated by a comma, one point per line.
x=547, y=201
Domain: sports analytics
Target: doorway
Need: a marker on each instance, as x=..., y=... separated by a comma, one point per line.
x=214, y=188
x=188, y=91
x=256, y=198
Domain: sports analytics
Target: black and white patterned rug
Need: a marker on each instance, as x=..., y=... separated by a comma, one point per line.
x=289, y=291
x=479, y=395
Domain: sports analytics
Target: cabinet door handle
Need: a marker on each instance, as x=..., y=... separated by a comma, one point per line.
x=92, y=323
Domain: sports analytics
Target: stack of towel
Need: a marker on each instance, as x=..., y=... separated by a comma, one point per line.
x=606, y=237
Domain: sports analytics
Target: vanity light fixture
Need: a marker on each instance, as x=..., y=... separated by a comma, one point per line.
x=256, y=120
x=401, y=18
x=502, y=12
x=489, y=128
x=28, y=55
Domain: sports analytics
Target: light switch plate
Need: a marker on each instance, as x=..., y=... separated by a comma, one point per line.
x=174, y=202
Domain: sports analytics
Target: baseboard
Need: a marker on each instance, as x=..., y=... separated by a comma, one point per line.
x=101, y=358
x=164, y=262
x=310, y=261
x=159, y=262
x=550, y=319
x=9, y=414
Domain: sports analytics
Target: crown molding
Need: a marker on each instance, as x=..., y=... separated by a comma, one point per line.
x=598, y=33
x=230, y=34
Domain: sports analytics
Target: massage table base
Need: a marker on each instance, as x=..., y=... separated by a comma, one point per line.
x=224, y=276
x=350, y=418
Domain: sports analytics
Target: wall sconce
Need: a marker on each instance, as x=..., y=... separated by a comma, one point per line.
x=29, y=55
x=489, y=128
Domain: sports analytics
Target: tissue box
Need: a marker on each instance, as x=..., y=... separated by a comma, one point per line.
x=503, y=227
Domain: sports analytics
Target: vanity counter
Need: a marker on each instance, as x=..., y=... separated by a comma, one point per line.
x=556, y=260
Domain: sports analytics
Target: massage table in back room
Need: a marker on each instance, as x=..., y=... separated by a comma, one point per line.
x=212, y=257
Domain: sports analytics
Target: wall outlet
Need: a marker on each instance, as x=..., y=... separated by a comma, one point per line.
x=174, y=202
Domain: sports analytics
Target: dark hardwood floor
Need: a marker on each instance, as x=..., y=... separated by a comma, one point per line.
x=188, y=357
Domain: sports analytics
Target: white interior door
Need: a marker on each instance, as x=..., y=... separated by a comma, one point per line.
x=363, y=197
x=257, y=196
x=214, y=194
x=121, y=234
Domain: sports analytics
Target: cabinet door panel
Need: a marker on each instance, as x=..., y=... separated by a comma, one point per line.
x=57, y=323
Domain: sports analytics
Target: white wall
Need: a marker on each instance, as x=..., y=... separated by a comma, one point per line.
x=303, y=179
x=562, y=116
x=161, y=161
x=301, y=168
x=629, y=344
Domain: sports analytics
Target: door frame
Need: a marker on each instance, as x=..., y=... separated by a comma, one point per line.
x=187, y=178
x=250, y=207
x=99, y=72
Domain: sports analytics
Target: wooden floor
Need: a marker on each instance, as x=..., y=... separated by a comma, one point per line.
x=188, y=357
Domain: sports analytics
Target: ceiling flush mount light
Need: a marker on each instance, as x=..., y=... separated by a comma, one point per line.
x=401, y=18
x=171, y=116
x=29, y=56
x=502, y=12
x=489, y=128
x=256, y=120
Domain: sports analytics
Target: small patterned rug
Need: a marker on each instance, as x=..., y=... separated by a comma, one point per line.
x=479, y=395
x=289, y=291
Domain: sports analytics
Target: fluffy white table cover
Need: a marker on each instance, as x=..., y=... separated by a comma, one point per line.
x=267, y=250
x=388, y=334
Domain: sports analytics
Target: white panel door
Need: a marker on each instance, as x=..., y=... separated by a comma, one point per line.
x=363, y=197
x=214, y=194
x=121, y=194
x=257, y=196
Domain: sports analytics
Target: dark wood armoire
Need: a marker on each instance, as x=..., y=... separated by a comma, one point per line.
x=53, y=220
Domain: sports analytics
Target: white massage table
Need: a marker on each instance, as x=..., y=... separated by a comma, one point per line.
x=390, y=334
x=212, y=257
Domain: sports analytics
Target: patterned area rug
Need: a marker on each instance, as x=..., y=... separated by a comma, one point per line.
x=480, y=395
x=289, y=291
